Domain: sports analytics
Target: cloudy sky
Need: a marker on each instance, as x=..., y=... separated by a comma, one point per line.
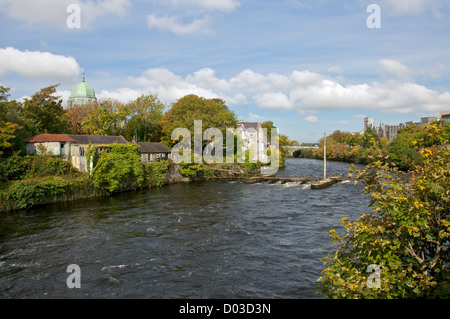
x=308, y=65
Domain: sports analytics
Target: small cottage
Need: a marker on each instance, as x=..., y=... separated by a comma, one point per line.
x=152, y=151
x=70, y=147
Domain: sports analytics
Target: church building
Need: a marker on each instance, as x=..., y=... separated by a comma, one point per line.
x=82, y=94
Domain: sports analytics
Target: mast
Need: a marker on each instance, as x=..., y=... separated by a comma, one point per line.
x=324, y=155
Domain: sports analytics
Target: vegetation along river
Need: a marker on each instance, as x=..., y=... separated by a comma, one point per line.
x=215, y=239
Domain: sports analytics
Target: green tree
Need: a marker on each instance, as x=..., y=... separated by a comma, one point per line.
x=406, y=235
x=106, y=118
x=44, y=113
x=268, y=125
x=402, y=151
x=212, y=112
x=6, y=134
x=143, y=116
x=11, y=123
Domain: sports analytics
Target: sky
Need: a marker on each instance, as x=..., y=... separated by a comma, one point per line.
x=310, y=66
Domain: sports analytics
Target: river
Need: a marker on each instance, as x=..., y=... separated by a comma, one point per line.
x=215, y=239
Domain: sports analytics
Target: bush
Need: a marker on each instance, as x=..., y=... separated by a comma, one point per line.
x=24, y=194
x=20, y=167
x=156, y=173
x=13, y=168
x=119, y=169
x=406, y=235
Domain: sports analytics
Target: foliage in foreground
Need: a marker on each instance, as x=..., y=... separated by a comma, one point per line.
x=406, y=235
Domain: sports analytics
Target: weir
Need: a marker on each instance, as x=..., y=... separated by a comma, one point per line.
x=283, y=180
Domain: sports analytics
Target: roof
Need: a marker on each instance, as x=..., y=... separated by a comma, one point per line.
x=45, y=137
x=153, y=147
x=248, y=125
x=82, y=89
x=98, y=139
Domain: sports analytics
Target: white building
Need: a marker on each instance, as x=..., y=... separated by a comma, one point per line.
x=256, y=140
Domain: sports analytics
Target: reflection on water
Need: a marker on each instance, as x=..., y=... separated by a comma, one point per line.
x=198, y=240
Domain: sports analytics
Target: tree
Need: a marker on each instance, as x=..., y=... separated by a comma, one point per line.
x=106, y=118
x=143, y=118
x=44, y=113
x=212, y=112
x=405, y=236
x=78, y=115
x=6, y=134
x=284, y=140
x=10, y=115
x=268, y=125
x=401, y=150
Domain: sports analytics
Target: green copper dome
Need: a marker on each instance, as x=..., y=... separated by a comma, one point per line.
x=82, y=90
x=82, y=94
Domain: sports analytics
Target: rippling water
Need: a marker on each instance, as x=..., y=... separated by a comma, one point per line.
x=199, y=240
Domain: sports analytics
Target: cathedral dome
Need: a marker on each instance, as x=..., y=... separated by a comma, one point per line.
x=82, y=94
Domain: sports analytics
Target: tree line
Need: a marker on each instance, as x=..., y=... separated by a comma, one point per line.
x=144, y=119
x=363, y=148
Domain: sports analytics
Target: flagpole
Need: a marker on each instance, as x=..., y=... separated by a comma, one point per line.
x=324, y=155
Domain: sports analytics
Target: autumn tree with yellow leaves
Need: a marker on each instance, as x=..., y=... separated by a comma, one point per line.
x=406, y=236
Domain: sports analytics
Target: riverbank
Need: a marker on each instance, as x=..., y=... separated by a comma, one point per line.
x=44, y=188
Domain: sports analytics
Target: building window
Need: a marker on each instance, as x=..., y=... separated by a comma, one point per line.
x=82, y=151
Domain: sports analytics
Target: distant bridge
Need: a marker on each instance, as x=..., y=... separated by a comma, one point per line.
x=292, y=149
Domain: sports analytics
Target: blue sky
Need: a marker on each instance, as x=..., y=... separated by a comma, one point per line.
x=309, y=66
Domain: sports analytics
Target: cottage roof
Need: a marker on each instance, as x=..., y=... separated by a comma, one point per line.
x=98, y=139
x=153, y=147
x=248, y=125
x=46, y=137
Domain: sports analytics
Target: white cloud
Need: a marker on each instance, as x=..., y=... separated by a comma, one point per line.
x=124, y=95
x=335, y=69
x=396, y=68
x=53, y=12
x=220, y=5
x=200, y=24
x=273, y=100
x=408, y=7
x=206, y=77
x=36, y=64
x=168, y=85
x=302, y=91
x=312, y=119
x=255, y=118
x=171, y=23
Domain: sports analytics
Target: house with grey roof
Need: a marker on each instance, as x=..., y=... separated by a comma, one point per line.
x=152, y=151
x=70, y=147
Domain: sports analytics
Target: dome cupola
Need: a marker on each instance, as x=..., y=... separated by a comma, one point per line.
x=82, y=94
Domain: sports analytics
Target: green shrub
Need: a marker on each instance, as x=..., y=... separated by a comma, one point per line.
x=156, y=173
x=13, y=168
x=119, y=169
x=23, y=194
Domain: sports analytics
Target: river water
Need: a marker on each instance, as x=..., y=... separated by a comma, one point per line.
x=214, y=239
